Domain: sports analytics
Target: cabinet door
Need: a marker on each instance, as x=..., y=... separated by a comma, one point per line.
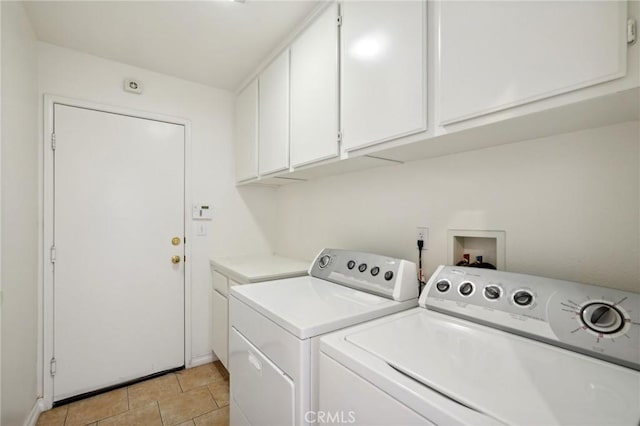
x=383, y=71
x=274, y=116
x=221, y=327
x=314, y=91
x=246, y=141
x=499, y=54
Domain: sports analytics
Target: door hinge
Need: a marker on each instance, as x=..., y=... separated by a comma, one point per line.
x=185, y=240
x=52, y=254
x=339, y=137
x=631, y=31
x=53, y=141
x=339, y=20
x=52, y=367
x=185, y=258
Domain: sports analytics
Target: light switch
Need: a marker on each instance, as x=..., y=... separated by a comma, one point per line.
x=201, y=229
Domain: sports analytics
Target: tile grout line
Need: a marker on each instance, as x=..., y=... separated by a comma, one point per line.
x=160, y=412
x=215, y=401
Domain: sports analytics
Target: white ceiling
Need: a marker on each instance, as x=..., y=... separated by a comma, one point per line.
x=217, y=42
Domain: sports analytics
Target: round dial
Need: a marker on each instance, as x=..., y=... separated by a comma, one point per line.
x=351, y=264
x=523, y=298
x=375, y=271
x=443, y=285
x=492, y=292
x=602, y=317
x=324, y=261
x=466, y=288
x=362, y=267
x=388, y=275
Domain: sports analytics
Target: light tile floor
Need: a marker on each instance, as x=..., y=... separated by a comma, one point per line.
x=195, y=397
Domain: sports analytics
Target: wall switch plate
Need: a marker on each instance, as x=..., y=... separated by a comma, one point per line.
x=201, y=229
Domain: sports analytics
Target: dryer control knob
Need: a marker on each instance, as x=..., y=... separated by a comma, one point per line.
x=324, y=261
x=466, y=288
x=443, y=285
x=492, y=292
x=523, y=298
x=602, y=317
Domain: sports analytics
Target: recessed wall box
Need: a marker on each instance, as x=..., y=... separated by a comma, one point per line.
x=202, y=212
x=488, y=244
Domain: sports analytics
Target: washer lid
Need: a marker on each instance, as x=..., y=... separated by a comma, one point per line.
x=510, y=378
x=308, y=306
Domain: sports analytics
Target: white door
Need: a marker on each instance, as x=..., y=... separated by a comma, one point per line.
x=118, y=203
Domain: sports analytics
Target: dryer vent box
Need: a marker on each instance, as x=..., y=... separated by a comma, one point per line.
x=488, y=244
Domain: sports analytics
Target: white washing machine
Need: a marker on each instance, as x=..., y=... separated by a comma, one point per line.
x=486, y=348
x=275, y=328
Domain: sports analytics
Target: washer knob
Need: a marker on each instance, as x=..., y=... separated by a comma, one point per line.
x=466, y=288
x=375, y=271
x=351, y=264
x=523, y=298
x=362, y=267
x=602, y=317
x=492, y=292
x=324, y=261
x=443, y=285
x=388, y=275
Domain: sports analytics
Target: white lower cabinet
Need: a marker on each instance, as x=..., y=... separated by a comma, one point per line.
x=229, y=272
x=220, y=333
x=220, y=310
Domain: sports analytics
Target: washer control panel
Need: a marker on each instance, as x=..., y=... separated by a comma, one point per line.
x=385, y=276
x=597, y=321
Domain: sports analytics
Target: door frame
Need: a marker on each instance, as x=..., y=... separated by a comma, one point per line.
x=45, y=291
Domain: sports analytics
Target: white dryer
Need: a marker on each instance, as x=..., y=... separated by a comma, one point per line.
x=275, y=329
x=488, y=347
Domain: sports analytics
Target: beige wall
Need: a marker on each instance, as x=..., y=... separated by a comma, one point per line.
x=19, y=215
x=568, y=203
x=243, y=219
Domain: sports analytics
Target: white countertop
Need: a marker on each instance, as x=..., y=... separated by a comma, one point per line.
x=256, y=268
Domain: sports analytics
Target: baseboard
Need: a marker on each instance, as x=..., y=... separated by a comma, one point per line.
x=38, y=408
x=201, y=360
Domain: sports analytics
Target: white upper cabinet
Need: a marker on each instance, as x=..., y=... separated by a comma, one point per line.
x=314, y=91
x=383, y=83
x=496, y=55
x=274, y=116
x=246, y=143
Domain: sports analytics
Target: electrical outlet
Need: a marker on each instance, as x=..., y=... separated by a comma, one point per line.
x=422, y=234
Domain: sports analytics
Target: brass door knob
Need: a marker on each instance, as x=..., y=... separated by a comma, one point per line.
x=175, y=259
x=175, y=241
